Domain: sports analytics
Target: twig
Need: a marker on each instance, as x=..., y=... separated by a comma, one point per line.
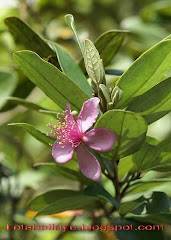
x=61, y=235
x=116, y=181
x=133, y=178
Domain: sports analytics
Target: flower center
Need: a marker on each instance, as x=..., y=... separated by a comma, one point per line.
x=68, y=131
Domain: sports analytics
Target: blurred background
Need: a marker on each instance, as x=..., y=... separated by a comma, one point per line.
x=148, y=21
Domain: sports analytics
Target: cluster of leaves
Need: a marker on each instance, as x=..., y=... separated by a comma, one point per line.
x=133, y=101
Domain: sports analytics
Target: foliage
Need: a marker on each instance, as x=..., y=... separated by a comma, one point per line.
x=129, y=71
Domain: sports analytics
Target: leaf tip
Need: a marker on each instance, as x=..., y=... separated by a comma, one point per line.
x=69, y=18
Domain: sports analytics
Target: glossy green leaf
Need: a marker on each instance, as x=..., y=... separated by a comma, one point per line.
x=143, y=186
x=93, y=62
x=67, y=172
x=151, y=140
x=160, y=218
x=48, y=112
x=61, y=200
x=49, y=197
x=167, y=38
x=25, y=103
x=35, y=133
x=107, y=45
x=124, y=166
x=50, y=80
x=165, y=167
x=8, y=83
x=128, y=207
x=152, y=203
x=71, y=69
x=155, y=100
x=158, y=202
x=145, y=72
x=70, y=21
x=99, y=191
x=165, y=147
x=164, y=164
x=146, y=158
x=130, y=129
x=29, y=38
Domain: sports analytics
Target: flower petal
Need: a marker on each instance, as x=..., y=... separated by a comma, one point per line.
x=51, y=135
x=62, y=153
x=68, y=112
x=100, y=139
x=67, y=107
x=88, y=114
x=88, y=164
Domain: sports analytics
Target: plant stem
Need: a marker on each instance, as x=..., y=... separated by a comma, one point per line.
x=116, y=181
x=61, y=234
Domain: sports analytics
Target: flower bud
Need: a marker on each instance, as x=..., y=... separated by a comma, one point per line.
x=110, y=106
x=116, y=95
x=94, y=88
x=105, y=92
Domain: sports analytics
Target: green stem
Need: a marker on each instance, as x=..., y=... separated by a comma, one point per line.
x=116, y=182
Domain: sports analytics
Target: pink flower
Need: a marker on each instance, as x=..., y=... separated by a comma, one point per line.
x=71, y=136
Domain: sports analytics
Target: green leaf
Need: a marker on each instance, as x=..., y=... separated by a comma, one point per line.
x=23, y=83
x=71, y=69
x=27, y=104
x=146, y=158
x=165, y=147
x=124, y=166
x=161, y=218
x=99, y=191
x=143, y=186
x=93, y=62
x=61, y=200
x=145, y=72
x=167, y=38
x=128, y=233
x=130, y=129
x=165, y=167
x=128, y=207
x=158, y=202
x=152, y=203
x=49, y=197
x=67, y=172
x=155, y=100
x=151, y=140
x=164, y=164
x=29, y=38
x=35, y=133
x=8, y=83
x=49, y=112
x=107, y=45
x=70, y=21
x=50, y=80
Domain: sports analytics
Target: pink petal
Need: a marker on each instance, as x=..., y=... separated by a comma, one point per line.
x=100, y=139
x=67, y=107
x=51, y=135
x=88, y=114
x=88, y=164
x=68, y=112
x=62, y=153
